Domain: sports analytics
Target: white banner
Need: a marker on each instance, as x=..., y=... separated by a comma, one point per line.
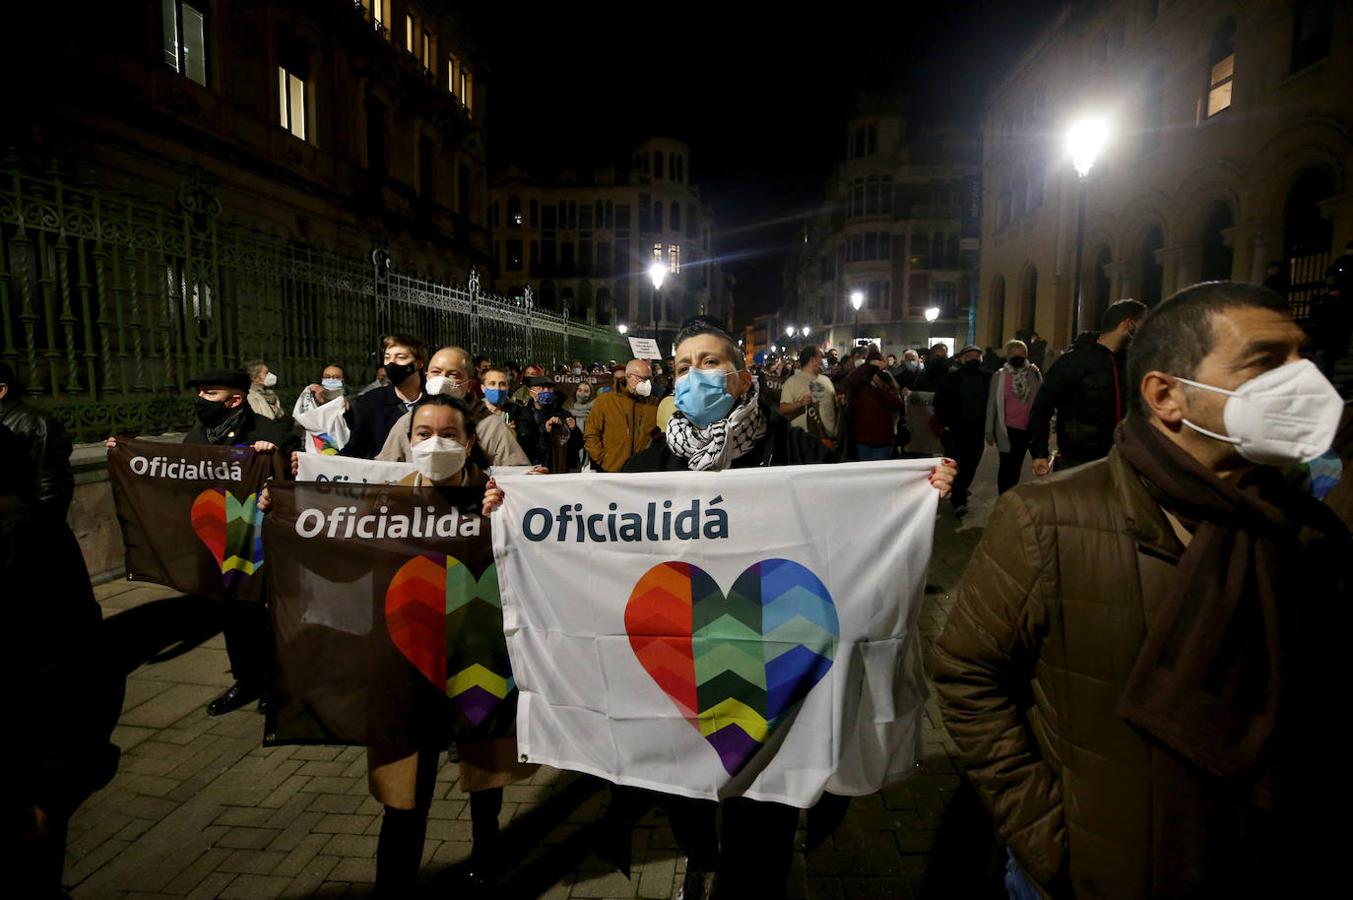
x=326, y=431
x=747, y=632
x=320, y=467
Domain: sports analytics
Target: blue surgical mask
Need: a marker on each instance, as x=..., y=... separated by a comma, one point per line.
x=702, y=396
x=545, y=397
x=496, y=396
x=332, y=384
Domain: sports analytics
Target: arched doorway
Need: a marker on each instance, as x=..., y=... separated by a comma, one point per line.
x=1150, y=273
x=1097, y=286
x=1307, y=238
x=1028, y=298
x=1217, y=256
x=996, y=311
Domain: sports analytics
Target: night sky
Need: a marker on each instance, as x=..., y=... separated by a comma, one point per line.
x=762, y=99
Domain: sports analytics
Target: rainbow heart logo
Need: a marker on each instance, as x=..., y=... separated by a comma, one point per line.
x=736, y=665
x=449, y=625
x=232, y=530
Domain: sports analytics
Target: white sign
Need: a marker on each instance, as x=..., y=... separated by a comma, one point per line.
x=322, y=467
x=644, y=348
x=719, y=644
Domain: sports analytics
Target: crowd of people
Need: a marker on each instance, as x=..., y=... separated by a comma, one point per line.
x=1136, y=662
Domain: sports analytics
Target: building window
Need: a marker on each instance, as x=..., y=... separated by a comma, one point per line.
x=886, y=195
x=514, y=218
x=657, y=214
x=674, y=258
x=585, y=217
x=871, y=196
x=676, y=217
x=859, y=142
x=657, y=164
x=645, y=214
x=466, y=94
x=885, y=246
x=547, y=257
x=452, y=75
x=604, y=258
x=549, y=217
x=514, y=256
x=1221, y=68
x=410, y=29
x=622, y=258
x=566, y=257
x=872, y=140
x=429, y=50
x=378, y=11
x=291, y=101
x=585, y=258
x=535, y=214
x=464, y=191
x=657, y=251
x=1311, y=33
x=185, y=40
x=871, y=245
x=622, y=217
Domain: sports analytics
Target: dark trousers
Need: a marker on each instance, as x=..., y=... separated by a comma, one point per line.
x=756, y=849
x=967, y=452
x=39, y=862
x=1012, y=462
x=247, y=639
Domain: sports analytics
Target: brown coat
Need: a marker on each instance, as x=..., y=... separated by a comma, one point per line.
x=619, y=426
x=1047, y=623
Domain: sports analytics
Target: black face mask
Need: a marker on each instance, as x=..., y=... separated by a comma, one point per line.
x=1017, y=361
x=397, y=372
x=972, y=364
x=210, y=412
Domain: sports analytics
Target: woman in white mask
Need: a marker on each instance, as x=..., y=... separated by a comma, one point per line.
x=442, y=441
x=262, y=398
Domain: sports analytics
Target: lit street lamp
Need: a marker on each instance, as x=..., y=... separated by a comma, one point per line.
x=931, y=314
x=656, y=273
x=857, y=300
x=623, y=328
x=1083, y=142
x=805, y=331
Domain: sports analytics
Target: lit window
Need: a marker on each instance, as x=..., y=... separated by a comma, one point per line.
x=657, y=251
x=291, y=102
x=428, y=50
x=452, y=75
x=185, y=40
x=1222, y=68
x=409, y=30
x=674, y=258
x=379, y=11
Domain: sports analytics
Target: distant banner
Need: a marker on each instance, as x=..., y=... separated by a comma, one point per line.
x=567, y=384
x=690, y=659
x=325, y=429
x=350, y=469
x=189, y=515
x=387, y=621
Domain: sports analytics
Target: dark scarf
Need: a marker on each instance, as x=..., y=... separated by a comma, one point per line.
x=1218, y=665
x=228, y=427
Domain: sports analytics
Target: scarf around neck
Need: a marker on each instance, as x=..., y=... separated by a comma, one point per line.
x=1023, y=380
x=718, y=444
x=1217, y=663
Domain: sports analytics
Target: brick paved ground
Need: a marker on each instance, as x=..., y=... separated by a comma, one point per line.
x=200, y=809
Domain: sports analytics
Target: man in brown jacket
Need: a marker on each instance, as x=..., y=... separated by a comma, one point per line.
x=621, y=422
x=1139, y=666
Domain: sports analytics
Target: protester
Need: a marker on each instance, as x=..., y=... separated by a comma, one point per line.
x=808, y=398
x=482, y=364
x=582, y=405
x=379, y=382
x=66, y=688
x=498, y=403
x=961, y=407
x=558, y=443
x=909, y=370
x=262, y=398
x=402, y=778
x=1331, y=323
x=1143, y=652
x=576, y=367
x=374, y=414
x=1013, y=389
x=875, y=403
x=48, y=447
x=622, y=422
x=522, y=394
x=721, y=422
x=1038, y=349
x=991, y=361
x=449, y=375
x=330, y=388
x=935, y=370
x=1085, y=389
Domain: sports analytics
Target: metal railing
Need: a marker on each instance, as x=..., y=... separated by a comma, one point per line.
x=110, y=302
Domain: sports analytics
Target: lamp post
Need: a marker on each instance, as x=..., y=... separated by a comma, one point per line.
x=857, y=300
x=623, y=328
x=931, y=314
x=1084, y=140
x=656, y=273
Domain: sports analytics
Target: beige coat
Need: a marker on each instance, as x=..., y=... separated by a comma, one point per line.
x=495, y=439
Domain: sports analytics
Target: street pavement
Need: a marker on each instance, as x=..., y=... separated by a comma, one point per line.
x=200, y=809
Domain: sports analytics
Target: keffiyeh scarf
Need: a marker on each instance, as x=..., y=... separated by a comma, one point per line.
x=717, y=445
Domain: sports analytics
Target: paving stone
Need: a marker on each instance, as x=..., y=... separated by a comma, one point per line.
x=350, y=870
x=361, y=846
x=243, y=838
x=254, y=887
x=211, y=886
x=608, y=884
x=343, y=824
x=199, y=871
x=252, y=862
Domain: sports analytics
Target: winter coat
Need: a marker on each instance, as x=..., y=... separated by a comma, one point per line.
x=619, y=426
x=997, y=433
x=872, y=408
x=1085, y=388
x=493, y=438
x=549, y=448
x=782, y=445
x=48, y=453
x=264, y=402
x=1047, y=624
x=961, y=401
x=249, y=429
x=371, y=417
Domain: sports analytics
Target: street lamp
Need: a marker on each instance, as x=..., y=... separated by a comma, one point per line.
x=931, y=314
x=805, y=331
x=857, y=300
x=623, y=328
x=1084, y=140
x=656, y=273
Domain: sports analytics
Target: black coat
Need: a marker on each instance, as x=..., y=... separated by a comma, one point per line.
x=48, y=454
x=541, y=448
x=783, y=445
x=373, y=414
x=961, y=401
x=251, y=427
x=1085, y=389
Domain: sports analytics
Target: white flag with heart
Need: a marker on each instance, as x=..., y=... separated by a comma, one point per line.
x=748, y=632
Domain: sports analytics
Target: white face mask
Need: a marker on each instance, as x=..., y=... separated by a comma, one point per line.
x=270, y=380
x=441, y=384
x=1287, y=415
x=438, y=458
x=577, y=370
x=643, y=388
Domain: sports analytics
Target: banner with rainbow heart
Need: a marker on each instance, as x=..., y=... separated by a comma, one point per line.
x=189, y=515
x=713, y=634
x=387, y=618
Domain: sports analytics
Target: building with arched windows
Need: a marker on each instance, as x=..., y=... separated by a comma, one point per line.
x=1230, y=149
x=892, y=232
x=583, y=240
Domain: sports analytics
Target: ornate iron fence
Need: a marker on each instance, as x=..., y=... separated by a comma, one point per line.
x=110, y=302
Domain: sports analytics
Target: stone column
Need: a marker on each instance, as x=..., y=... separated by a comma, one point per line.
x=1180, y=263
x=1120, y=280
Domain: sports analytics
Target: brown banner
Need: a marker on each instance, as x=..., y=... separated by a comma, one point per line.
x=568, y=384
x=386, y=615
x=189, y=515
